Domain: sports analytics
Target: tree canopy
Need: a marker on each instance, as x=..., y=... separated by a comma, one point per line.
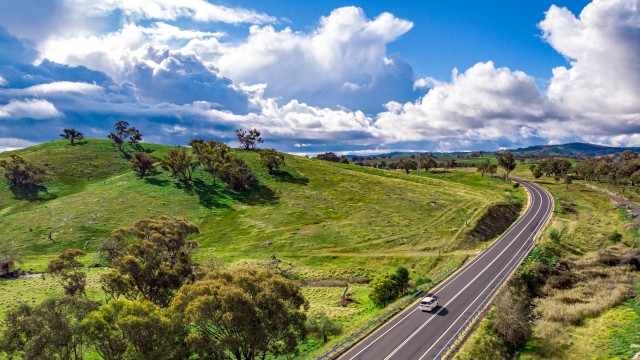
x=249, y=139
x=242, y=314
x=152, y=259
x=72, y=135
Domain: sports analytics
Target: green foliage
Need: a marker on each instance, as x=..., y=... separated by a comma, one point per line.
x=270, y=159
x=135, y=329
x=507, y=162
x=402, y=278
x=318, y=324
x=515, y=185
x=181, y=164
x=384, y=289
x=483, y=167
x=329, y=156
x=249, y=139
x=141, y=163
x=615, y=237
x=72, y=135
x=242, y=314
x=152, y=259
x=238, y=174
x=407, y=165
x=68, y=269
x=50, y=330
x=555, y=234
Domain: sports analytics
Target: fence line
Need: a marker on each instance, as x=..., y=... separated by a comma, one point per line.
x=380, y=319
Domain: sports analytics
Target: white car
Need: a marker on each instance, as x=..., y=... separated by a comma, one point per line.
x=428, y=304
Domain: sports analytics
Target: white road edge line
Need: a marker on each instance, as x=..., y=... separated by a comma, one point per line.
x=483, y=291
x=456, y=275
x=464, y=288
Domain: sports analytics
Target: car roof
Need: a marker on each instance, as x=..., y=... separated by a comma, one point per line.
x=428, y=298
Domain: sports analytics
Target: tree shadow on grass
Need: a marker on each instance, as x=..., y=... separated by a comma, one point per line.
x=440, y=171
x=283, y=176
x=258, y=194
x=157, y=182
x=207, y=194
x=31, y=193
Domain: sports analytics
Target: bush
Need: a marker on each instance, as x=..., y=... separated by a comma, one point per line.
x=516, y=185
x=384, y=289
x=615, y=237
x=555, y=234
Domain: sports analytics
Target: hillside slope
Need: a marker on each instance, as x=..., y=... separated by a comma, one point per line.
x=311, y=211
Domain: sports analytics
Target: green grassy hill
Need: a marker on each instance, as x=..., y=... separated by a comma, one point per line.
x=313, y=212
x=327, y=221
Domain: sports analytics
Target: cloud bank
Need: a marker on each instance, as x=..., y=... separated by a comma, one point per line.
x=334, y=87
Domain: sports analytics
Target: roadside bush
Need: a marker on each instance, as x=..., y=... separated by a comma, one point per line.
x=384, y=289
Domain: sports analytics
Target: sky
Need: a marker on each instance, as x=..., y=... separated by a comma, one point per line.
x=343, y=76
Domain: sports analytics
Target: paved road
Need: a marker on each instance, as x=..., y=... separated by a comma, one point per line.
x=414, y=334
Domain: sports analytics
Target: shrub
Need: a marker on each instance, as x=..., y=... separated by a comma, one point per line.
x=615, y=237
x=555, y=234
x=384, y=289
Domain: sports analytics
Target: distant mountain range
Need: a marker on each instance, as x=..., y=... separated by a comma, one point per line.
x=571, y=149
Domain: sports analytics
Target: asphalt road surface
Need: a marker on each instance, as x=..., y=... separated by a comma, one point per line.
x=416, y=335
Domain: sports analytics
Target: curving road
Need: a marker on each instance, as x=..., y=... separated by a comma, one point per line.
x=413, y=334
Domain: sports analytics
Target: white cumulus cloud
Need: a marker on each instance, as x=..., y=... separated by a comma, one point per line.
x=31, y=108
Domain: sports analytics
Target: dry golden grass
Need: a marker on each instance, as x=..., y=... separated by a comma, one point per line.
x=600, y=284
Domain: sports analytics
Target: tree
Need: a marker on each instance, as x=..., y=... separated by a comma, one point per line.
x=72, y=135
x=118, y=141
x=407, y=165
x=402, y=279
x=212, y=155
x=134, y=135
x=50, y=330
x=272, y=160
x=483, y=167
x=242, y=314
x=181, y=164
x=68, y=269
x=121, y=128
x=238, y=174
x=24, y=178
x=426, y=162
x=384, y=289
x=568, y=180
x=319, y=324
x=536, y=172
x=344, y=160
x=135, y=329
x=152, y=258
x=122, y=132
x=493, y=169
x=507, y=162
x=142, y=163
x=249, y=139
x=328, y=156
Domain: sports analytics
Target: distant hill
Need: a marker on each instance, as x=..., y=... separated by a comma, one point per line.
x=572, y=149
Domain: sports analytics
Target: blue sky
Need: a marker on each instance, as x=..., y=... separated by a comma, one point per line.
x=357, y=76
